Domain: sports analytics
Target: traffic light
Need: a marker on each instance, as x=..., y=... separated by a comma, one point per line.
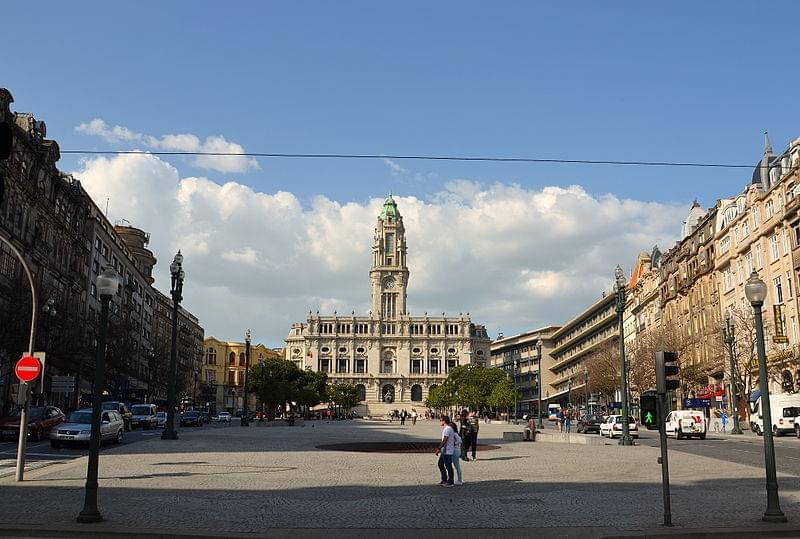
x=648, y=404
x=667, y=371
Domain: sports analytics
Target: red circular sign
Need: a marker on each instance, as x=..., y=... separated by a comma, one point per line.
x=28, y=368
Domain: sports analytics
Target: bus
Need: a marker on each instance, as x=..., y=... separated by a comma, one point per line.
x=552, y=411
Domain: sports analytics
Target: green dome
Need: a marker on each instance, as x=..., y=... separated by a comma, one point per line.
x=389, y=208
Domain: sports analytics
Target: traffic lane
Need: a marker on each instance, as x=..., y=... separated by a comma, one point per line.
x=747, y=449
x=43, y=451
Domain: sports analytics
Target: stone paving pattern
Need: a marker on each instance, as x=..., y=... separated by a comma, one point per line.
x=238, y=480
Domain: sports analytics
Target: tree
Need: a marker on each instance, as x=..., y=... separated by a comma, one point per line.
x=311, y=388
x=439, y=397
x=502, y=395
x=344, y=395
x=604, y=367
x=275, y=382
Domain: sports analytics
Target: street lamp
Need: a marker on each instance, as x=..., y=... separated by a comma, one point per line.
x=539, y=382
x=176, y=270
x=619, y=289
x=516, y=368
x=728, y=333
x=245, y=422
x=49, y=311
x=569, y=393
x=107, y=284
x=586, y=388
x=756, y=292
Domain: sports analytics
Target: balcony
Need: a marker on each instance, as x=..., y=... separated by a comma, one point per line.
x=796, y=257
x=790, y=207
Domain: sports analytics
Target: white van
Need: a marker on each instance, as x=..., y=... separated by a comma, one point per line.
x=784, y=408
x=686, y=423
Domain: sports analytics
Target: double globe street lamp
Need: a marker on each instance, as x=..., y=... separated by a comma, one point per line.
x=756, y=292
x=176, y=270
x=728, y=334
x=107, y=284
x=245, y=420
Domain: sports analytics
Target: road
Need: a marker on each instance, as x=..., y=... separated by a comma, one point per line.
x=40, y=454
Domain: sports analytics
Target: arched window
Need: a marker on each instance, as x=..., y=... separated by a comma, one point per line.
x=211, y=356
x=416, y=393
x=362, y=392
x=433, y=386
x=241, y=358
x=232, y=358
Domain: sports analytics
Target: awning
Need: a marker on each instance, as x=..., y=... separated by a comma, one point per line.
x=755, y=395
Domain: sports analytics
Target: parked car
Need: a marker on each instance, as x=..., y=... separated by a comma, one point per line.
x=224, y=417
x=590, y=423
x=144, y=415
x=191, y=417
x=612, y=427
x=161, y=419
x=124, y=411
x=685, y=424
x=78, y=428
x=41, y=420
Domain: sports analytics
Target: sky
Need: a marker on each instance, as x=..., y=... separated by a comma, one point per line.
x=517, y=245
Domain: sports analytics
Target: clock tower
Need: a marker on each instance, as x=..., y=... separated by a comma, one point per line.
x=389, y=273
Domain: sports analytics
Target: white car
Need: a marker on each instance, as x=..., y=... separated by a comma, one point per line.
x=685, y=424
x=224, y=416
x=78, y=428
x=612, y=427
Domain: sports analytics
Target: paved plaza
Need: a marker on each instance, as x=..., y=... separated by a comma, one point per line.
x=232, y=481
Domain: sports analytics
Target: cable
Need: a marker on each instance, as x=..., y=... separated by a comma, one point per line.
x=420, y=158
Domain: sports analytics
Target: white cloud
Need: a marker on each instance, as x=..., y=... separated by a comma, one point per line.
x=515, y=258
x=184, y=142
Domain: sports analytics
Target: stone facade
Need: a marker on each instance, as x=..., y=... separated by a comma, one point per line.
x=392, y=357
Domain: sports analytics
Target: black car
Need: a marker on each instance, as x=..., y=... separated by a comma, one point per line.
x=124, y=411
x=191, y=417
x=590, y=423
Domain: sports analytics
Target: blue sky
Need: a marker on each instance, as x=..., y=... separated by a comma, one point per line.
x=687, y=81
x=624, y=80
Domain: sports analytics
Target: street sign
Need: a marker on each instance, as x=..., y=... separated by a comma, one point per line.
x=696, y=403
x=614, y=405
x=62, y=384
x=28, y=368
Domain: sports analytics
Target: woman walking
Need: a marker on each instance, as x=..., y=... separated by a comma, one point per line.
x=457, y=454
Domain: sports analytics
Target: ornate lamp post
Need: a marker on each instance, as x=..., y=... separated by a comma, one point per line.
x=586, y=389
x=756, y=292
x=539, y=383
x=108, y=283
x=49, y=313
x=176, y=270
x=728, y=333
x=245, y=422
x=619, y=289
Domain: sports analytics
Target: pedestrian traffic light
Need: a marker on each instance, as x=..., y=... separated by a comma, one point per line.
x=648, y=404
x=667, y=372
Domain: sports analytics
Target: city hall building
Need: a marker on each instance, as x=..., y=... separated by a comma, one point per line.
x=393, y=358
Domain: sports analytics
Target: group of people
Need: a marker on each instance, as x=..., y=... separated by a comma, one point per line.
x=402, y=415
x=564, y=418
x=455, y=445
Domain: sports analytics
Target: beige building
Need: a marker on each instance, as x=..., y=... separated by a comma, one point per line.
x=393, y=358
x=642, y=302
x=520, y=357
x=223, y=373
x=759, y=230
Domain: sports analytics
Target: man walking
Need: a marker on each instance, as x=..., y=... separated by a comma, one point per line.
x=445, y=452
x=403, y=417
x=473, y=425
x=413, y=416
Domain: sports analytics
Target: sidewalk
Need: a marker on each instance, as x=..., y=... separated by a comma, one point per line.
x=247, y=482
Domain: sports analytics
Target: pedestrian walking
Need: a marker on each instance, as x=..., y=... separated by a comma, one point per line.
x=567, y=421
x=473, y=426
x=724, y=419
x=445, y=452
x=457, y=455
x=413, y=416
x=403, y=417
x=560, y=419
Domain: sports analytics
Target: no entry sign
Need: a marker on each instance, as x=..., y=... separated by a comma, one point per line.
x=28, y=368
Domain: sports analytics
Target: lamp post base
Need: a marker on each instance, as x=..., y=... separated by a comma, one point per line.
x=737, y=431
x=89, y=516
x=626, y=440
x=245, y=422
x=169, y=435
x=774, y=517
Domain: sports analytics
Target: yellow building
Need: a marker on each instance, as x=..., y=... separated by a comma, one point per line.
x=223, y=372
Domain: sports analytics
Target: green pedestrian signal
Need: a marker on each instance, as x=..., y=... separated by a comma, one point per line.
x=649, y=408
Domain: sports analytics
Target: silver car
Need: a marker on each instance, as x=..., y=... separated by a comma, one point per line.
x=78, y=428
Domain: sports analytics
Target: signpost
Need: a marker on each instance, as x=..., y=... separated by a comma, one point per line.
x=27, y=370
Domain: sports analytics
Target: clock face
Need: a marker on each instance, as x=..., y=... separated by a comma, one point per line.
x=388, y=283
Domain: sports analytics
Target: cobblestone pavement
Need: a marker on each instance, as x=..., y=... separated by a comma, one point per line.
x=234, y=480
